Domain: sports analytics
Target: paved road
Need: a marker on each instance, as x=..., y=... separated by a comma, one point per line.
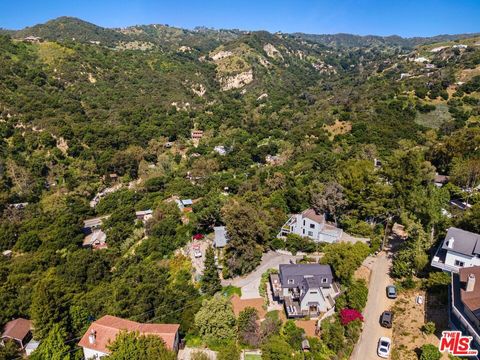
x=251, y=282
x=366, y=348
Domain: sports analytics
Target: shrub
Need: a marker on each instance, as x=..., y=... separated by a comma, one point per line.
x=429, y=328
x=408, y=283
x=430, y=352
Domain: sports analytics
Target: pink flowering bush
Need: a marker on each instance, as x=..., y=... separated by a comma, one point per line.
x=349, y=315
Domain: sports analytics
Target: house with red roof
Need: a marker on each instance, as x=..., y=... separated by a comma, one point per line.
x=20, y=331
x=102, y=333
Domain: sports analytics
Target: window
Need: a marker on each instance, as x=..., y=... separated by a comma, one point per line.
x=303, y=231
x=310, y=233
x=313, y=292
x=303, y=222
x=324, y=280
x=312, y=226
x=459, y=263
x=290, y=281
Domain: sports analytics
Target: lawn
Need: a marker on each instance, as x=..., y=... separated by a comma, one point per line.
x=230, y=290
x=253, y=357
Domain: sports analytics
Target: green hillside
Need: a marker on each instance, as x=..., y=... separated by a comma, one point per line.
x=289, y=121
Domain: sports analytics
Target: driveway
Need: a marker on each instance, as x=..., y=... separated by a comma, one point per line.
x=198, y=263
x=250, y=283
x=366, y=348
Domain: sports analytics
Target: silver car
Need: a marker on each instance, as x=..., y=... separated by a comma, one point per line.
x=391, y=292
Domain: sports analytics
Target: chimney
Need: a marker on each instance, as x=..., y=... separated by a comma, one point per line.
x=92, y=337
x=450, y=243
x=470, y=283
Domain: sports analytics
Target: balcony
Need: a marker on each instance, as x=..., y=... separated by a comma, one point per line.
x=292, y=308
x=438, y=261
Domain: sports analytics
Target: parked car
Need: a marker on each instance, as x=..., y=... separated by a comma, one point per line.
x=386, y=320
x=391, y=292
x=196, y=250
x=197, y=253
x=384, y=345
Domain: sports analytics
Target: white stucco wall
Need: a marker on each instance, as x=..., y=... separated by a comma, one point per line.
x=92, y=354
x=305, y=230
x=468, y=260
x=313, y=296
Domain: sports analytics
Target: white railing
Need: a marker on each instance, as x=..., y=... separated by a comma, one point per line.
x=443, y=266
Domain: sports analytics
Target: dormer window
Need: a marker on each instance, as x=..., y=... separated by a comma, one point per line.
x=291, y=281
x=324, y=280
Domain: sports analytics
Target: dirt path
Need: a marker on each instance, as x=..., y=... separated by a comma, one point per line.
x=366, y=348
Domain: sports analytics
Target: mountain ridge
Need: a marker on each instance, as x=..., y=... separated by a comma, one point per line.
x=66, y=28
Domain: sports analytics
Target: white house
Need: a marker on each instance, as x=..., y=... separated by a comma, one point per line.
x=459, y=249
x=103, y=332
x=312, y=225
x=305, y=289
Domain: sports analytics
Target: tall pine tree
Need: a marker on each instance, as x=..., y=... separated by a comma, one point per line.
x=210, y=280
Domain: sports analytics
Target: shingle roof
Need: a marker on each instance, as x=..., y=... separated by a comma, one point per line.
x=471, y=299
x=464, y=242
x=305, y=269
x=293, y=275
x=17, y=329
x=108, y=327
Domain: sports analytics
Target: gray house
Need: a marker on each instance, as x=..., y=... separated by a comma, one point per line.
x=305, y=289
x=459, y=249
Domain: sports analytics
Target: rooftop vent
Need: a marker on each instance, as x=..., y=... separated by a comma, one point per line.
x=92, y=337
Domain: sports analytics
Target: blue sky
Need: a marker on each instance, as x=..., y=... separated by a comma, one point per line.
x=378, y=17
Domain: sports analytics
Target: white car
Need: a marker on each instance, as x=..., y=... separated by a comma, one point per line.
x=384, y=345
x=197, y=253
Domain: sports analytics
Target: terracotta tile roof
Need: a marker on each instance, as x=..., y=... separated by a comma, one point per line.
x=107, y=328
x=471, y=299
x=17, y=329
x=312, y=215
